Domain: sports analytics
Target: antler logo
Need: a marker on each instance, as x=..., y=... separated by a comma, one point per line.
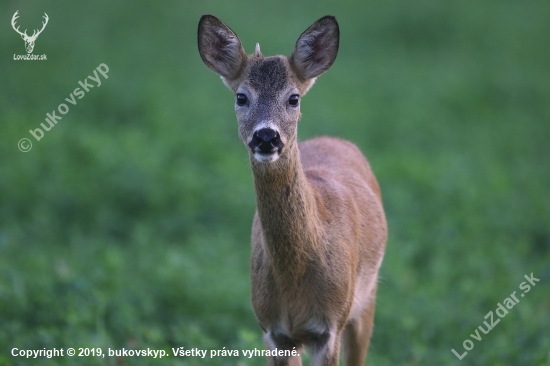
x=29, y=41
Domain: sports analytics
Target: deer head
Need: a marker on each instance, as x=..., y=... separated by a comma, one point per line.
x=268, y=89
x=29, y=40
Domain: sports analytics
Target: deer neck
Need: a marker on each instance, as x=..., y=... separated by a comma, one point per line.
x=287, y=210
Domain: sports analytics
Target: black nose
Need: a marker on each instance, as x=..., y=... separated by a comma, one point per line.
x=266, y=140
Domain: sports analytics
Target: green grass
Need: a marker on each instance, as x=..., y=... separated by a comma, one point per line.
x=128, y=224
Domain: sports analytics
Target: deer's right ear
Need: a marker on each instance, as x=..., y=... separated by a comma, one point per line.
x=220, y=48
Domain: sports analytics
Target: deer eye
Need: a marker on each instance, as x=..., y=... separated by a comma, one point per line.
x=241, y=99
x=293, y=100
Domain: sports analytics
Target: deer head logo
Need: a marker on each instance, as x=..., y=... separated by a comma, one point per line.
x=29, y=41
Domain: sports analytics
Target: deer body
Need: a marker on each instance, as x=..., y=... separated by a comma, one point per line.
x=319, y=232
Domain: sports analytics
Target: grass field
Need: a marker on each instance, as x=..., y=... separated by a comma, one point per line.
x=128, y=223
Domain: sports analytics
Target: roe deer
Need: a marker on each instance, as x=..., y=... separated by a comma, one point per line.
x=319, y=233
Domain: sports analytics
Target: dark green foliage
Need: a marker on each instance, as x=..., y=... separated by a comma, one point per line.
x=128, y=224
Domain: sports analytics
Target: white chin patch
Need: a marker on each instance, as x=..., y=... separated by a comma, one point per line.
x=266, y=158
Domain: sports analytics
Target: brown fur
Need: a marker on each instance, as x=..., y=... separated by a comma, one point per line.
x=319, y=233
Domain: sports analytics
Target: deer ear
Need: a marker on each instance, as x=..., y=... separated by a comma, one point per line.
x=316, y=49
x=220, y=48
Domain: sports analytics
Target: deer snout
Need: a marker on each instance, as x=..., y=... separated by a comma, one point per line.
x=266, y=141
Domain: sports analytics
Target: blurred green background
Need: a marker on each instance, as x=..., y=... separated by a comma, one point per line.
x=128, y=224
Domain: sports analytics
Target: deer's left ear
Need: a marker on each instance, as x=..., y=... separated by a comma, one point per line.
x=316, y=49
x=220, y=48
